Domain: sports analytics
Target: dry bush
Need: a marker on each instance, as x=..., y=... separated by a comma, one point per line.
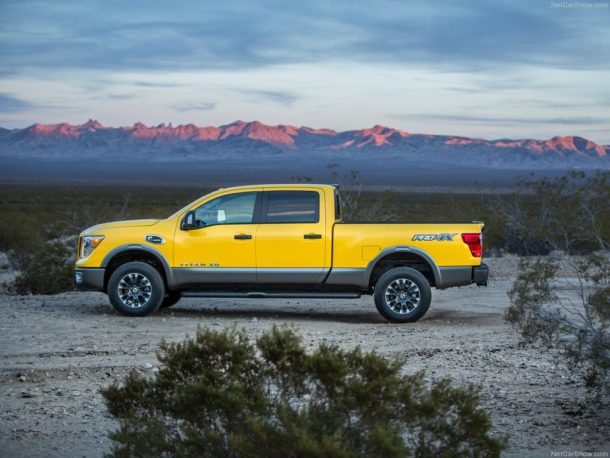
x=43, y=267
x=570, y=312
x=569, y=214
x=354, y=205
x=220, y=395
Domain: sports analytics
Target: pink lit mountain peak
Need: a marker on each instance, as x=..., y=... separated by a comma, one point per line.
x=188, y=142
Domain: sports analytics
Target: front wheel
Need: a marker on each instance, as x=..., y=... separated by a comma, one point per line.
x=402, y=295
x=136, y=289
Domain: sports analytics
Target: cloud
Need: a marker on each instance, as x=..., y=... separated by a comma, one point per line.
x=120, y=96
x=194, y=106
x=154, y=84
x=10, y=104
x=342, y=64
x=264, y=96
x=244, y=34
x=571, y=121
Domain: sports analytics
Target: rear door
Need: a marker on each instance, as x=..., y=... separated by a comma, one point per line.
x=291, y=237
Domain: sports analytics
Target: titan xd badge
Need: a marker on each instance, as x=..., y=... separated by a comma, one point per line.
x=444, y=237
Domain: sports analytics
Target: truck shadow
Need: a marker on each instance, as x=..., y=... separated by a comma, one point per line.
x=435, y=317
x=249, y=313
x=344, y=313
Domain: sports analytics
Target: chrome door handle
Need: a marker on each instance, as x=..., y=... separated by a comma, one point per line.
x=242, y=237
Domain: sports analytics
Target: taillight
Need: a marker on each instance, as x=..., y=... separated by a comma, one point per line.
x=474, y=243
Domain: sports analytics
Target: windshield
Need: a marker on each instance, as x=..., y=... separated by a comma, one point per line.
x=185, y=208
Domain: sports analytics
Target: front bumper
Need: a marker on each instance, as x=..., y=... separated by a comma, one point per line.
x=480, y=274
x=89, y=279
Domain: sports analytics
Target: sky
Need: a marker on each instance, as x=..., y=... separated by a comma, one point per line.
x=490, y=69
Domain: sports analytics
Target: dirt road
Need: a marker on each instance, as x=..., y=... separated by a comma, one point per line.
x=56, y=352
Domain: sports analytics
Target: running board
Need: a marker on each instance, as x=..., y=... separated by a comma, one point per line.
x=271, y=294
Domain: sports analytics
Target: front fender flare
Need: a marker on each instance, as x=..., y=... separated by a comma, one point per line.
x=169, y=275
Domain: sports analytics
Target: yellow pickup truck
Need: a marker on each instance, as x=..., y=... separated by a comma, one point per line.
x=276, y=241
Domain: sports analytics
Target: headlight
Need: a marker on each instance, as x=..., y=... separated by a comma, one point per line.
x=90, y=243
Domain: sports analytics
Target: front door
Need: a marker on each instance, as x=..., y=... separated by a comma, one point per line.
x=291, y=239
x=222, y=249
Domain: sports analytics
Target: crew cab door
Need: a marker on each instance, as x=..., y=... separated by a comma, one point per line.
x=222, y=249
x=291, y=237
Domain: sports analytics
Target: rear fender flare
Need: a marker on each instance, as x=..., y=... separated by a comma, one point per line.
x=438, y=278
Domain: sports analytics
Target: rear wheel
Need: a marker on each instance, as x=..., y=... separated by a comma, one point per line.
x=172, y=298
x=402, y=295
x=136, y=289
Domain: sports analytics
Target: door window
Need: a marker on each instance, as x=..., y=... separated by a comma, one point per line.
x=230, y=209
x=292, y=207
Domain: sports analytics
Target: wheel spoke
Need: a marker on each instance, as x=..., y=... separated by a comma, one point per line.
x=402, y=296
x=134, y=290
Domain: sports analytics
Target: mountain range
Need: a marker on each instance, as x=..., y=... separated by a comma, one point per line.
x=253, y=140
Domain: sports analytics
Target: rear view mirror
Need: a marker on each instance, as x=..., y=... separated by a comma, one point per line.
x=189, y=221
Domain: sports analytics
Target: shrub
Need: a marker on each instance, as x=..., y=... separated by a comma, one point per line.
x=43, y=267
x=356, y=205
x=571, y=315
x=569, y=213
x=220, y=395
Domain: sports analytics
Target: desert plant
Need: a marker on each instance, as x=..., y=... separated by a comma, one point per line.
x=43, y=267
x=355, y=206
x=569, y=214
x=571, y=314
x=43, y=254
x=218, y=394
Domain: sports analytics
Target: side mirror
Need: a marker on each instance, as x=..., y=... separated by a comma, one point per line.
x=189, y=221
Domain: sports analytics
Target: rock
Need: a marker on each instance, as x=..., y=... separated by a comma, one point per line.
x=26, y=394
x=21, y=378
x=254, y=320
x=59, y=393
x=148, y=366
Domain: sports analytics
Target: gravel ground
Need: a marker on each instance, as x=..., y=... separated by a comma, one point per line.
x=56, y=352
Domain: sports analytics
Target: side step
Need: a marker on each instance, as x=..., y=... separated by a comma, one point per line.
x=272, y=294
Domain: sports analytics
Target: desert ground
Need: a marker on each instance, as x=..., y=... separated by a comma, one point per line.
x=56, y=352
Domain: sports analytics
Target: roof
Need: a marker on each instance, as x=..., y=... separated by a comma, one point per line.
x=280, y=185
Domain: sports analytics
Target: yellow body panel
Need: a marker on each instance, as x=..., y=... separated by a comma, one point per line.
x=124, y=233
x=215, y=247
x=355, y=245
x=285, y=245
x=281, y=245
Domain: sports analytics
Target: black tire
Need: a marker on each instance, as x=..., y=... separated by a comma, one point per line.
x=396, y=307
x=148, y=293
x=172, y=298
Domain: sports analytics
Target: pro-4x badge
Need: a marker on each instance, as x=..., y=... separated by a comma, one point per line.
x=444, y=237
